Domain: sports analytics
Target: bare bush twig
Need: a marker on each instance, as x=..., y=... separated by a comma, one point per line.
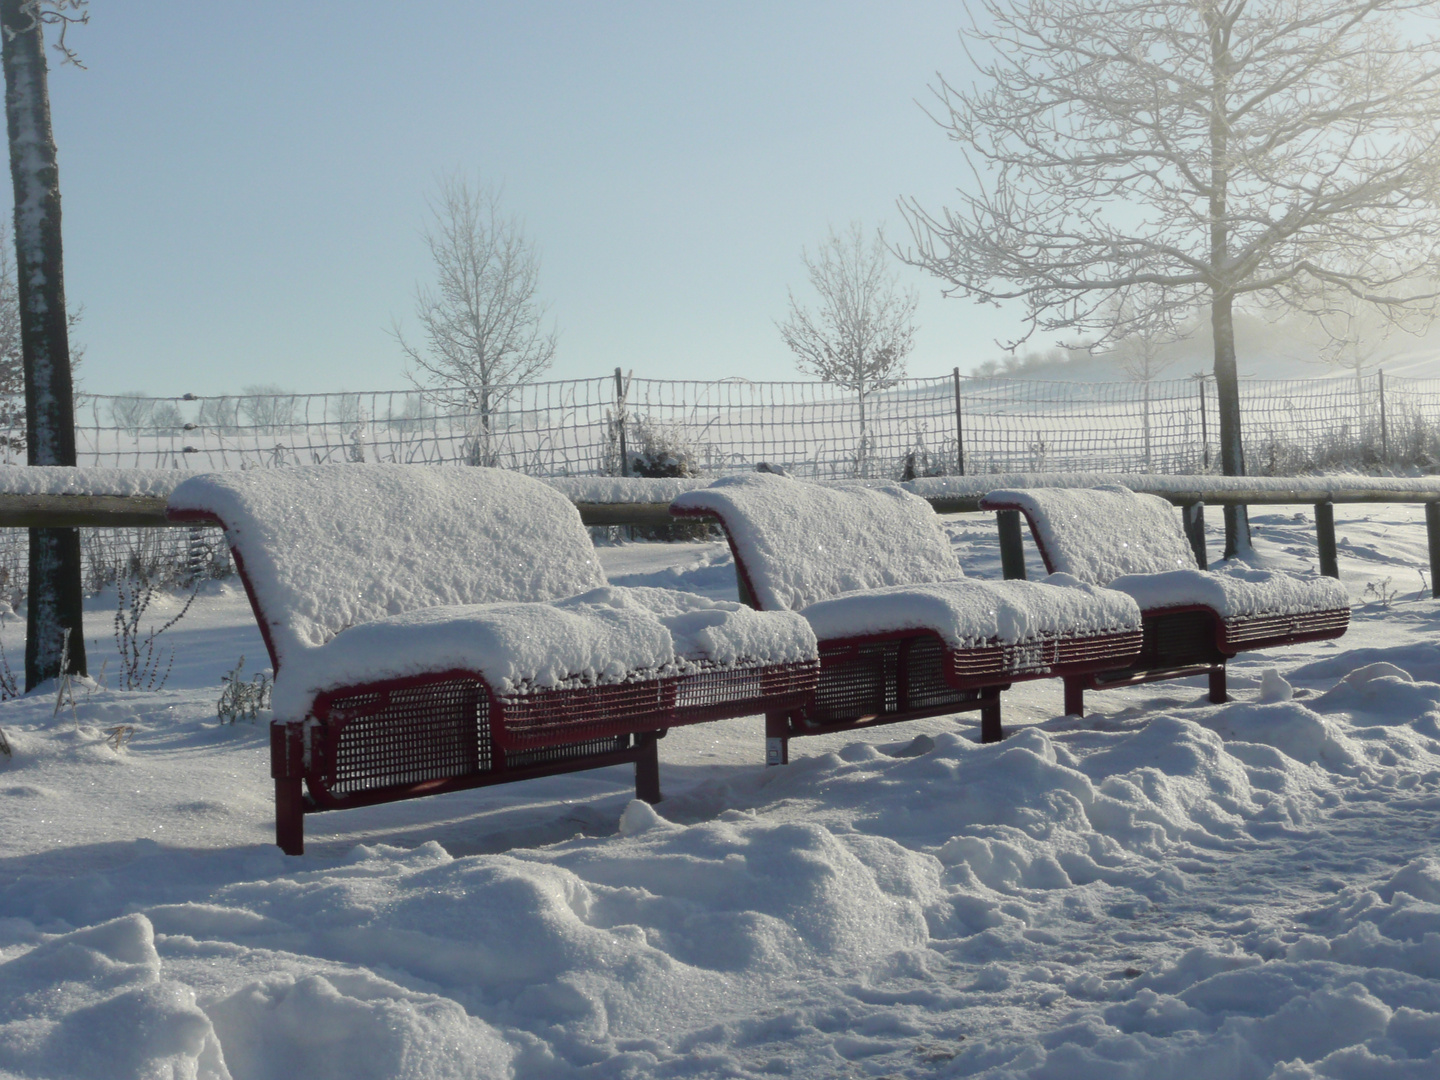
x=241, y=697
x=139, y=660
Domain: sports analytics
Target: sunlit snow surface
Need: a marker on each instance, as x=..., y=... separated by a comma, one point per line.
x=1165, y=889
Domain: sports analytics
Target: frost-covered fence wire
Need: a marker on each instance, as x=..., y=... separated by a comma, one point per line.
x=576, y=427
x=573, y=427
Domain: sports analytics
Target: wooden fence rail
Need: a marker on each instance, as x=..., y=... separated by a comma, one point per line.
x=646, y=503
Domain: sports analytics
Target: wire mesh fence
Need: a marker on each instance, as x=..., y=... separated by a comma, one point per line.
x=616, y=425
x=604, y=426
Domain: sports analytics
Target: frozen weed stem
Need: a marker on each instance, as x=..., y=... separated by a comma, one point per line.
x=139, y=661
x=240, y=697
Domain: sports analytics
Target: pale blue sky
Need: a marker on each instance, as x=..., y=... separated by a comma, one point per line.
x=244, y=183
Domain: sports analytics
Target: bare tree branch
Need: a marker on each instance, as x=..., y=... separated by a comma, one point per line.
x=1160, y=156
x=483, y=323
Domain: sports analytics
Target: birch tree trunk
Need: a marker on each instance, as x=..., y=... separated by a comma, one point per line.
x=54, y=600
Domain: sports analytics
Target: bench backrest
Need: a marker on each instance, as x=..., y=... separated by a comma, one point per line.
x=797, y=543
x=324, y=547
x=1100, y=534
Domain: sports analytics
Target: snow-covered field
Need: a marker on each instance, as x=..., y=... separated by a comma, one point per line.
x=1167, y=888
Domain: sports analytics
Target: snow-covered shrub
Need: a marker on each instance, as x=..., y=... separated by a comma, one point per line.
x=658, y=449
x=661, y=450
x=921, y=460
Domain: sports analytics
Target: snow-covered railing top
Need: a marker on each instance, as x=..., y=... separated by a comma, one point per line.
x=799, y=542
x=326, y=547
x=107, y=497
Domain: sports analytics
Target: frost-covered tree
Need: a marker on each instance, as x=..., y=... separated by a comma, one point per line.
x=864, y=325
x=1144, y=355
x=1357, y=336
x=1222, y=152
x=54, y=600
x=483, y=322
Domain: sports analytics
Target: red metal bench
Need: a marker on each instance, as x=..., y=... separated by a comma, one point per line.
x=1195, y=620
x=433, y=629
x=903, y=634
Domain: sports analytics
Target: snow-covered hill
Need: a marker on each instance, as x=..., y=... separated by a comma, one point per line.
x=1285, y=349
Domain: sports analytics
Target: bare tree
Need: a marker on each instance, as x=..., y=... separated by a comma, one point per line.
x=483, y=324
x=1219, y=151
x=1143, y=355
x=54, y=634
x=1357, y=335
x=864, y=327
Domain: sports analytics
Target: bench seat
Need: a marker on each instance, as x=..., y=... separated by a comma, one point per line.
x=433, y=629
x=903, y=633
x=1195, y=620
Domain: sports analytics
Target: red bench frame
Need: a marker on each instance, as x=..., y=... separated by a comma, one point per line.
x=395, y=739
x=873, y=679
x=1186, y=640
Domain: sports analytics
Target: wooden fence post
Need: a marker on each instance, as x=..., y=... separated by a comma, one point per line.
x=620, y=422
x=1193, y=514
x=1384, y=427
x=959, y=429
x=1325, y=535
x=1012, y=547
x=1204, y=425
x=1432, y=533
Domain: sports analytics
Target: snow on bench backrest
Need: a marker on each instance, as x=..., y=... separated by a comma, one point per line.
x=1100, y=534
x=801, y=542
x=330, y=546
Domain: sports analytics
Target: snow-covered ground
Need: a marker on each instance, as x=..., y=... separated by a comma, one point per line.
x=1167, y=888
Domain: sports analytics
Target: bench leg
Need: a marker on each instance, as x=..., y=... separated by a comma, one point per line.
x=777, y=739
x=289, y=815
x=1217, y=685
x=990, y=729
x=647, y=768
x=1074, y=697
x=287, y=757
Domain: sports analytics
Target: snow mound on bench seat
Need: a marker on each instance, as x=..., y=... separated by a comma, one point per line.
x=725, y=633
x=1114, y=537
x=1098, y=534
x=1235, y=592
x=325, y=547
x=800, y=543
x=606, y=635
x=970, y=613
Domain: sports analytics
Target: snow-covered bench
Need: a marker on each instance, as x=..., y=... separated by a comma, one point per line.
x=1195, y=620
x=441, y=628
x=903, y=633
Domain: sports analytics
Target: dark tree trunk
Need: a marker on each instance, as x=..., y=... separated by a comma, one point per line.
x=1232, y=451
x=1222, y=323
x=54, y=601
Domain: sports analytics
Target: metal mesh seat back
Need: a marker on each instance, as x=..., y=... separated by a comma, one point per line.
x=330, y=546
